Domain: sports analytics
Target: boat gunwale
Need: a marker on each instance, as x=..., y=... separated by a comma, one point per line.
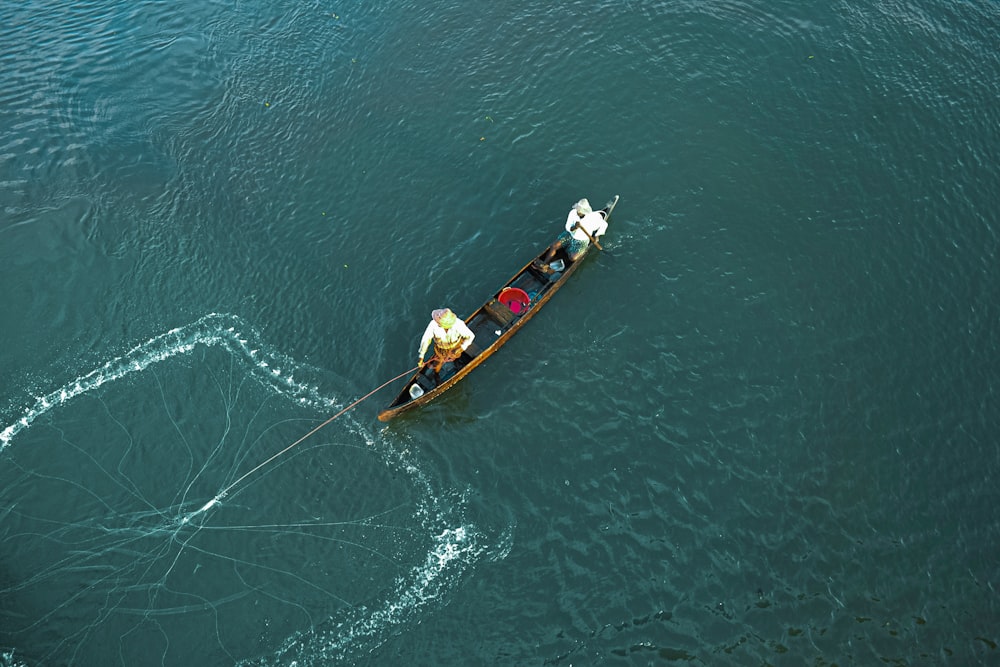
x=395, y=409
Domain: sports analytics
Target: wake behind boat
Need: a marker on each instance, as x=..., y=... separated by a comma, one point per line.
x=493, y=323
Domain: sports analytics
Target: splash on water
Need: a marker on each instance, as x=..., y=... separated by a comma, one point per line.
x=211, y=330
x=108, y=556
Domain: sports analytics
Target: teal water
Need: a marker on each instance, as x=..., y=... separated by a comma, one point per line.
x=759, y=428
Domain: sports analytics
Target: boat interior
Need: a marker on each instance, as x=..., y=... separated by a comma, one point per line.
x=501, y=313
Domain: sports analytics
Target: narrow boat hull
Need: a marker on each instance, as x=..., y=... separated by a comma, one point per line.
x=493, y=323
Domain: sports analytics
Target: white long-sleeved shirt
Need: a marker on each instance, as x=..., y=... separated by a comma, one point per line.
x=593, y=222
x=435, y=331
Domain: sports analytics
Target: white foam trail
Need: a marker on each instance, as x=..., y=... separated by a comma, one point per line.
x=9, y=659
x=453, y=550
x=213, y=329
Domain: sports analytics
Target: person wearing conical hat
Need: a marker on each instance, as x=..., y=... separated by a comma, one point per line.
x=582, y=224
x=451, y=338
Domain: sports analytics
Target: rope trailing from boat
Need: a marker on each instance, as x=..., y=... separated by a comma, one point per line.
x=222, y=494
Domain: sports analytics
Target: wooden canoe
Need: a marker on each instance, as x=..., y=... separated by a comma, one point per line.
x=493, y=323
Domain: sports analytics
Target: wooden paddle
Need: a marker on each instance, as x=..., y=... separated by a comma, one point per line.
x=584, y=230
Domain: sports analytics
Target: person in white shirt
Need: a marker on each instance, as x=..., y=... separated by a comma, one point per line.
x=583, y=224
x=451, y=338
